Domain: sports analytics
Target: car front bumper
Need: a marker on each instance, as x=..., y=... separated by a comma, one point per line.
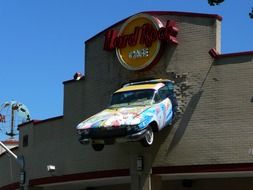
x=107, y=139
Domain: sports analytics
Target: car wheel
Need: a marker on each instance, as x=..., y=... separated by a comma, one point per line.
x=98, y=147
x=148, y=138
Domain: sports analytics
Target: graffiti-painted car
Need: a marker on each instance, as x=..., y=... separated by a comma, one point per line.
x=137, y=110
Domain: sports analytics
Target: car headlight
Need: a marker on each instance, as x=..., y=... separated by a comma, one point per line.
x=86, y=131
x=79, y=132
x=83, y=131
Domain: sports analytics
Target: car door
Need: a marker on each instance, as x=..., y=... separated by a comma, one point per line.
x=165, y=106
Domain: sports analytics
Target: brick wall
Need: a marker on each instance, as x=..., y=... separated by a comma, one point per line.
x=219, y=125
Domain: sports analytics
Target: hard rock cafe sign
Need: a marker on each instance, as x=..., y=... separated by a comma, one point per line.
x=138, y=43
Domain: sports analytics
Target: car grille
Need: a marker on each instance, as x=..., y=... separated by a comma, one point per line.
x=108, y=132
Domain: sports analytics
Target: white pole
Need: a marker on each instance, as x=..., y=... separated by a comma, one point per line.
x=9, y=151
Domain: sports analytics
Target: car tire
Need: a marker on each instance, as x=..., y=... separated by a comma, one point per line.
x=98, y=147
x=148, y=139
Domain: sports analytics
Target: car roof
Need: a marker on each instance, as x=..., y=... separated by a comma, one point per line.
x=146, y=86
x=150, y=81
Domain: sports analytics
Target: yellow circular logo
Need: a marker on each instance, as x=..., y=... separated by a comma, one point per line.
x=138, y=42
x=140, y=52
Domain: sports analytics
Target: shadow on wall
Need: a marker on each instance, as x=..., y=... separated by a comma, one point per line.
x=185, y=120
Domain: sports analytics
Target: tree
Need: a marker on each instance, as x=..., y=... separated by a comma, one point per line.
x=251, y=13
x=217, y=2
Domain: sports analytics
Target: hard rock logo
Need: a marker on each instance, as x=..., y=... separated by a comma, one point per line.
x=138, y=43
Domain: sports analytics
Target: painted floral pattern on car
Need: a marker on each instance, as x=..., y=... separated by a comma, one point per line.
x=137, y=110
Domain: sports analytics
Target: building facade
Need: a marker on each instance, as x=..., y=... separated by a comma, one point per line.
x=209, y=146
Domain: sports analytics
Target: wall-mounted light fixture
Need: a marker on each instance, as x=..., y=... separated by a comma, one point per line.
x=51, y=168
x=140, y=163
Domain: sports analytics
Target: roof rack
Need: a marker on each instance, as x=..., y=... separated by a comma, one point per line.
x=149, y=81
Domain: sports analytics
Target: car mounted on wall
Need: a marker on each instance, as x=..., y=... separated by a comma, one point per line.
x=136, y=111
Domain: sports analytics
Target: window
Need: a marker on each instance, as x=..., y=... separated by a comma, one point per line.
x=164, y=92
x=132, y=96
x=157, y=98
x=25, y=140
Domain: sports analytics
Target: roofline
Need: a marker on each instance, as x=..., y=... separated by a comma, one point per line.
x=189, y=14
x=160, y=13
x=10, y=142
x=73, y=80
x=35, y=122
x=214, y=54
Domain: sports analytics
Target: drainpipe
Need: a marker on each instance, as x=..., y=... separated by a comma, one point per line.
x=21, y=162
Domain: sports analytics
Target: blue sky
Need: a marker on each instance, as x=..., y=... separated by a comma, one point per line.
x=42, y=41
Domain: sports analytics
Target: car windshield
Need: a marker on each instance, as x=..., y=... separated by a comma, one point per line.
x=132, y=98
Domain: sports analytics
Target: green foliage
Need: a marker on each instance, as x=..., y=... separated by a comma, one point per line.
x=251, y=13
x=215, y=2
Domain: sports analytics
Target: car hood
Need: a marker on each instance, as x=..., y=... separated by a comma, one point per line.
x=115, y=117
